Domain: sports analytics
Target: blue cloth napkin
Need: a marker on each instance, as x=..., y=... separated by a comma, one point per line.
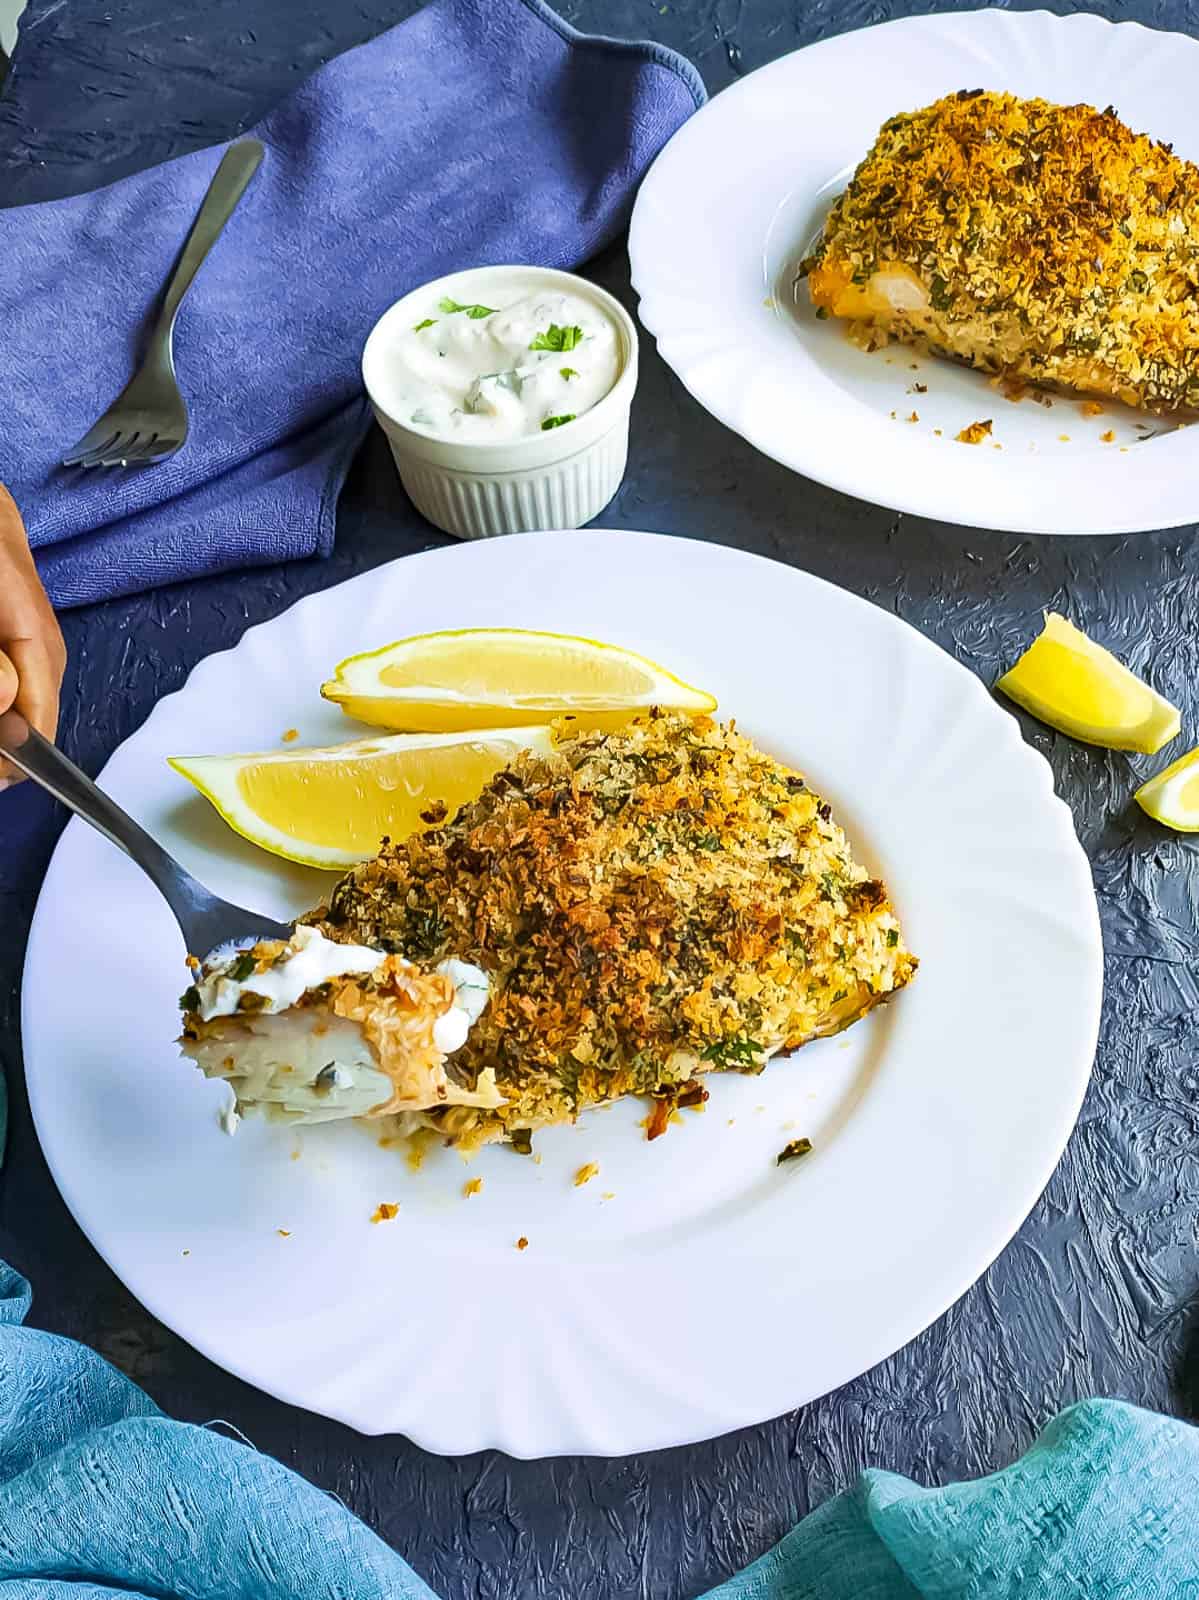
x=102, y=1495
x=478, y=131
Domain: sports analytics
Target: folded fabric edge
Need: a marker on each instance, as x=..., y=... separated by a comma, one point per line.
x=648, y=49
x=58, y=563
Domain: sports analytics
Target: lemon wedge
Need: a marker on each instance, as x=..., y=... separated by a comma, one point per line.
x=504, y=677
x=1173, y=796
x=331, y=807
x=1081, y=689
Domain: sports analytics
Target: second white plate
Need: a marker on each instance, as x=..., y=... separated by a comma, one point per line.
x=738, y=195
x=693, y=1286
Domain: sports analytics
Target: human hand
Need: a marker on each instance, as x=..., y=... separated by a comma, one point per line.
x=32, y=653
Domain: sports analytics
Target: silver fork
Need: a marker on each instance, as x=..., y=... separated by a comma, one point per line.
x=205, y=921
x=147, y=422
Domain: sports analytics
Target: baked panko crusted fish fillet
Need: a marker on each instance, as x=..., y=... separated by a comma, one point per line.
x=1049, y=244
x=313, y=1030
x=648, y=905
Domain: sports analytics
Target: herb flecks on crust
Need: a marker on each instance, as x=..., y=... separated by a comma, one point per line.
x=649, y=904
x=1038, y=241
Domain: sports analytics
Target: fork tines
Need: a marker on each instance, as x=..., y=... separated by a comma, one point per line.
x=109, y=446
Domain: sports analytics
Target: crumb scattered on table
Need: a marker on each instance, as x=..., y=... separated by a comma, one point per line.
x=937, y=432
x=792, y=1151
x=918, y=388
x=187, y=1252
x=292, y=733
x=472, y=1186
x=915, y=417
x=384, y=1211
x=586, y=1173
x=893, y=416
x=522, y=1243
x=1109, y=437
x=284, y=1233
x=975, y=432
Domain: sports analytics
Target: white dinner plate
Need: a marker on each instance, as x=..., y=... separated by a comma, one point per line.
x=738, y=195
x=693, y=1286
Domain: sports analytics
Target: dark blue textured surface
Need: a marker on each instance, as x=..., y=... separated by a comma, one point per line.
x=1096, y=1293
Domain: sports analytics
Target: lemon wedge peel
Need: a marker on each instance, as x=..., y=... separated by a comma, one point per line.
x=1172, y=798
x=1076, y=686
x=611, y=683
x=346, y=840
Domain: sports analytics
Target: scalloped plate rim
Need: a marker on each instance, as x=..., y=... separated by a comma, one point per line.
x=1029, y=773
x=1117, y=506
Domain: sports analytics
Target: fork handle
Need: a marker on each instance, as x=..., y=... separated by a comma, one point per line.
x=45, y=763
x=238, y=165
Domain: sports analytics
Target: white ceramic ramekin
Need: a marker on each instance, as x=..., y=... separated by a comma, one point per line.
x=556, y=479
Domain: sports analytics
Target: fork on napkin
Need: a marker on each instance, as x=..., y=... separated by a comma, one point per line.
x=476, y=132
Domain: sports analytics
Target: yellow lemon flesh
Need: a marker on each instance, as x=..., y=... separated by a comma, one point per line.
x=1081, y=689
x=1173, y=796
x=331, y=807
x=504, y=677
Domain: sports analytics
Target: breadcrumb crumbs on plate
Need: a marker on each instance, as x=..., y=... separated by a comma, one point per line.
x=187, y=1252
x=915, y=417
x=1064, y=437
x=472, y=1186
x=974, y=432
x=292, y=733
x=522, y=1243
x=1109, y=437
x=384, y=1211
x=1091, y=408
x=609, y=1194
x=917, y=388
x=937, y=432
x=894, y=416
x=586, y=1173
x=284, y=1233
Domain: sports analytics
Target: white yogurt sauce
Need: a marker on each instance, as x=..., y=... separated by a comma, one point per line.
x=471, y=990
x=315, y=961
x=490, y=372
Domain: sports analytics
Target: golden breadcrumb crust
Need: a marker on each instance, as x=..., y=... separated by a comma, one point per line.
x=648, y=904
x=1051, y=243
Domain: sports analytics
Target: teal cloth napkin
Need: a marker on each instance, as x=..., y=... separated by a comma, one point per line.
x=101, y=1495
